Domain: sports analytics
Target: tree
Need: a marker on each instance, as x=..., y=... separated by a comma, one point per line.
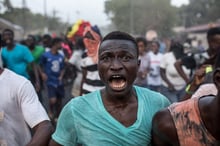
x=30, y=21
x=139, y=16
x=7, y=4
x=200, y=12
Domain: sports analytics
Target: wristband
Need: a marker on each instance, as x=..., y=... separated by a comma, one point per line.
x=208, y=69
x=188, y=90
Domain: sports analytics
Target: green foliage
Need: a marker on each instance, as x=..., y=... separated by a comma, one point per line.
x=200, y=12
x=33, y=22
x=142, y=15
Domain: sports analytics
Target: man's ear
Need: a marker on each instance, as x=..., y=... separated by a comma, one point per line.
x=139, y=63
x=216, y=78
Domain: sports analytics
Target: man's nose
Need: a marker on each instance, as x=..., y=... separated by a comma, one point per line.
x=116, y=64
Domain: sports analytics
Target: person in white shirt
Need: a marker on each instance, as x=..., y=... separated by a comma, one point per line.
x=20, y=111
x=75, y=60
x=154, y=78
x=173, y=85
x=141, y=79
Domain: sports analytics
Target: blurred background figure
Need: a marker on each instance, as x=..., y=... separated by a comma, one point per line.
x=173, y=85
x=75, y=60
x=141, y=79
x=200, y=46
x=52, y=72
x=17, y=57
x=36, y=51
x=154, y=77
x=90, y=79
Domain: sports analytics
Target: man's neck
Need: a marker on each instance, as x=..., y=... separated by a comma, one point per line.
x=31, y=48
x=156, y=52
x=129, y=98
x=1, y=70
x=10, y=46
x=53, y=50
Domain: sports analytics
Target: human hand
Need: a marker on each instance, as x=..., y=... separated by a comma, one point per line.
x=171, y=87
x=60, y=78
x=44, y=76
x=199, y=75
x=37, y=86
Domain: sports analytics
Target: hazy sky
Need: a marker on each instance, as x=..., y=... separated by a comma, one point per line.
x=72, y=10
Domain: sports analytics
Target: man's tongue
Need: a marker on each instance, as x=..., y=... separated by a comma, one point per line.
x=117, y=83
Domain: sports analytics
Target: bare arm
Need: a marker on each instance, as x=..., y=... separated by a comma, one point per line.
x=62, y=73
x=36, y=74
x=42, y=134
x=178, y=66
x=42, y=73
x=84, y=73
x=164, y=131
x=164, y=77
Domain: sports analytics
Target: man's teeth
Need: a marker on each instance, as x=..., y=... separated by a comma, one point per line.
x=116, y=76
x=119, y=85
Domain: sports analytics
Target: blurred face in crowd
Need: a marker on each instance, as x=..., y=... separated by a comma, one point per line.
x=30, y=42
x=58, y=45
x=154, y=47
x=8, y=37
x=141, y=47
x=214, y=45
x=46, y=42
x=118, y=65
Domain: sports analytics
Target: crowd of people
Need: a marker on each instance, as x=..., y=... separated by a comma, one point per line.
x=125, y=91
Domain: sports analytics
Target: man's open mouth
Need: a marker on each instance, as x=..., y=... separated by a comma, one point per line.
x=8, y=41
x=117, y=82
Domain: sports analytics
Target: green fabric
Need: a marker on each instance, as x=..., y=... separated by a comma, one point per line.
x=37, y=52
x=84, y=120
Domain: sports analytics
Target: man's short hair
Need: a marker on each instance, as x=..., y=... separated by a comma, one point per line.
x=213, y=31
x=156, y=42
x=141, y=39
x=47, y=36
x=32, y=37
x=8, y=30
x=119, y=35
x=56, y=40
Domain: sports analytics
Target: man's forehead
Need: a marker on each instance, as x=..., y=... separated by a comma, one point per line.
x=7, y=32
x=117, y=43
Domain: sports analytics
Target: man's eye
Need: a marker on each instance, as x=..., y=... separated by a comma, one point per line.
x=126, y=58
x=105, y=58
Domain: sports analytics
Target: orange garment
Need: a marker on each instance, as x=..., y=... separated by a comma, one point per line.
x=190, y=129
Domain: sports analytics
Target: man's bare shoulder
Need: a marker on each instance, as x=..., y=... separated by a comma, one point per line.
x=164, y=130
x=163, y=120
